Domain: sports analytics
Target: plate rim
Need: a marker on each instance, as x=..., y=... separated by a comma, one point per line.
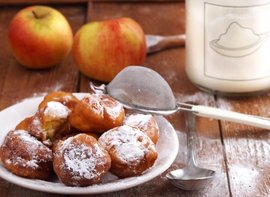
x=93, y=189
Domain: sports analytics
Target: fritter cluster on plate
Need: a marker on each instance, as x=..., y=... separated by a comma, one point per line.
x=80, y=140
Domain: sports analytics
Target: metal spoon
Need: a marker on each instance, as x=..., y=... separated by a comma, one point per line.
x=191, y=177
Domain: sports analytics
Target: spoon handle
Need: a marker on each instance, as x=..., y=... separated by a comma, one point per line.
x=191, y=139
x=158, y=43
x=216, y=113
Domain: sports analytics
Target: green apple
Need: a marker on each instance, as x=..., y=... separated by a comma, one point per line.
x=39, y=37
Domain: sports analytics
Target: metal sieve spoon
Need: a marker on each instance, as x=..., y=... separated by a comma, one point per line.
x=142, y=89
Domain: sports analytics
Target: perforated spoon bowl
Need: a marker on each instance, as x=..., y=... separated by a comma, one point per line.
x=142, y=89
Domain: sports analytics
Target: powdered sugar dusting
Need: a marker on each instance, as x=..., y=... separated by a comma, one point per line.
x=30, y=156
x=201, y=98
x=138, y=120
x=56, y=110
x=129, y=152
x=82, y=160
x=224, y=104
x=94, y=101
x=129, y=143
x=36, y=123
x=114, y=108
x=27, y=138
x=56, y=87
x=102, y=104
x=204, y=98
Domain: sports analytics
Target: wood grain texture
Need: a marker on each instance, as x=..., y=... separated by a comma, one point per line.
x=18, y=83
x=239, y=154
x=168, y=19
x=32, y=2
x=247, y=148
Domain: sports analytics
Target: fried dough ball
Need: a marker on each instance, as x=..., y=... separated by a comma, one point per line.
x=25, y=156
x=132, y=152
x=71, y=134
x=47, y=123
x=66, y=98
x=80, y=161
x=97, y=113
x=146, y=123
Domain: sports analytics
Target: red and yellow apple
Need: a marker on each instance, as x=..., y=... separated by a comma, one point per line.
x=39, y=37
x=101, y=49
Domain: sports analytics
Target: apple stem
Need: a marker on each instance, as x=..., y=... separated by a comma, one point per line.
x=38, y=14
x=35, y=14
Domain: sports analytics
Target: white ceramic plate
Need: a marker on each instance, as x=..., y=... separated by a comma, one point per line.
x=167, y=148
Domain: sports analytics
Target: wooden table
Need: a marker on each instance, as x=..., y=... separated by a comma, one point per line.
x=239, y=154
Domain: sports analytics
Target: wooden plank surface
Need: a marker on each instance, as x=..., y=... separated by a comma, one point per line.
x=32, y=2
x=19, y=83
x=247, y=148
x=222, y=146
x=154, y=18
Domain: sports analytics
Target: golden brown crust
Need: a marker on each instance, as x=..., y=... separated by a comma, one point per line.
x=132, y=152
x=66, y=98
x=50, y=122
x=146, y=123
x=80, y=160
x=24, y=124
x=97, y=113
x=25, y=156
